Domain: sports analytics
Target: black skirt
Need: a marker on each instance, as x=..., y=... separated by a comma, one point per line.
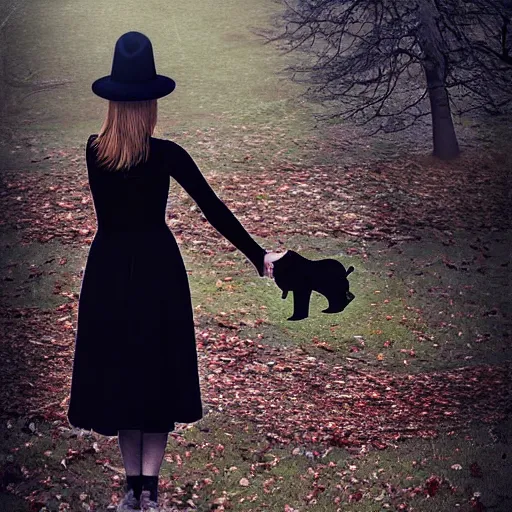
x=135, y=363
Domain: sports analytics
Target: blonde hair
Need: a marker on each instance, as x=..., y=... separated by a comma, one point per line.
x=123, y=140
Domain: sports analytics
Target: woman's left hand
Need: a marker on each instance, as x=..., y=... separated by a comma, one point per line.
x=269, y=259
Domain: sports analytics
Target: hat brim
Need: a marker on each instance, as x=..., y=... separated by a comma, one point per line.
x=107, y=89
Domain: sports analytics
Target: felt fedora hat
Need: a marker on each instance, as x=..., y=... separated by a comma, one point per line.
x=133, y=76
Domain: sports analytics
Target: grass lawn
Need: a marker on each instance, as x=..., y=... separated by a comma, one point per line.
x=400, y=403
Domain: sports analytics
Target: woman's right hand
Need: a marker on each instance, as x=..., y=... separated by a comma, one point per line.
x=269, y=259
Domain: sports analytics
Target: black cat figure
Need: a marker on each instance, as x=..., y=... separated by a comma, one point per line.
x=293, y=272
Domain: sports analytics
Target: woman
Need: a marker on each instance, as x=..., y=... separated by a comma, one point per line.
x=135, y=365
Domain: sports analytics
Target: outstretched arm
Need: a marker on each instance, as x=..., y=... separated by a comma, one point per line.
x=185, y=171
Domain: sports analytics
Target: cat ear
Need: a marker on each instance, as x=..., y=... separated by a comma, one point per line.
x=350, y=270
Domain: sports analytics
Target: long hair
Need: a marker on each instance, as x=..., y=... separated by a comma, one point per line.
x=124, y=138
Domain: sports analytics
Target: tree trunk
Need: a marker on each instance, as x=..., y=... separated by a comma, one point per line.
x=446, y=146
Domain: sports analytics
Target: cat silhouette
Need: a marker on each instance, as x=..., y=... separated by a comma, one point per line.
x=301, y=275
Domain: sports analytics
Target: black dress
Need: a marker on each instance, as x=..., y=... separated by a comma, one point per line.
x=135, y=362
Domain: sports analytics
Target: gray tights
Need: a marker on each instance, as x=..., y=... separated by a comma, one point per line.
x=142, y=452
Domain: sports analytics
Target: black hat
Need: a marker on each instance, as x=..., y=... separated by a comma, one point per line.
x=133, y=76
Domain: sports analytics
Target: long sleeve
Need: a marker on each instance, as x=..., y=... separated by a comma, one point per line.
x=185, y=171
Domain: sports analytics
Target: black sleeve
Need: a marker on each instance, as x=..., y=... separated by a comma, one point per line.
x=185, y=171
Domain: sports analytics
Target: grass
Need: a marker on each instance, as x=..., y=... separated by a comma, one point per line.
x=385, y=275
x=402, y=298
x=208, y=461
x=228, y=104
x=223, y=74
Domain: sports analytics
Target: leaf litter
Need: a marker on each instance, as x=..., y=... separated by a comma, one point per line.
x=278, y=389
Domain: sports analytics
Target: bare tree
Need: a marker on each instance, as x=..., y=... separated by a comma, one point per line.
x=378, y=60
